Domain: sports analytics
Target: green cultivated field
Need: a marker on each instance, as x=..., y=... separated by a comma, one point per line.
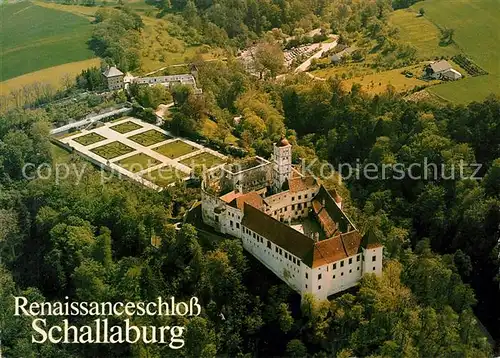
x=34, y=37
x=137, y=162
x=175, y=149
x=204, y=159
x=125, y=127
x=112, y=150
x=164, y=176
x=476, y=35
x=149, y=137
x=89, y=139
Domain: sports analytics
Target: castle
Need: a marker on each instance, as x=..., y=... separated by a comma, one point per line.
x=290, y=223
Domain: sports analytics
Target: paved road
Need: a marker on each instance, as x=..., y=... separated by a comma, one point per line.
x=324, y=47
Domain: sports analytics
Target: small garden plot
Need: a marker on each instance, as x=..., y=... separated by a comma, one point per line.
x=175, y=149
x=164, y=176
x=138, y=162
x=202, y=160
x=149, y=137
x=89, y=139
x=126, y=127
x=112, y=150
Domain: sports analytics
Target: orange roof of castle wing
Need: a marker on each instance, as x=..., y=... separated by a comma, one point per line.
x=227, y=198
x=300, y=184
x=251, y=198
x=337, y=248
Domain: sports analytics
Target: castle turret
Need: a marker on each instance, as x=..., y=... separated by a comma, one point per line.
x=282, y=163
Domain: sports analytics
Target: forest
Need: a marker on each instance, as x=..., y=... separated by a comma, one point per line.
x=91, y=240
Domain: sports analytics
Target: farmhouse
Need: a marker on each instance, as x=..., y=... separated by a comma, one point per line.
x=291, y=223
x=114, y=78
x=442, y=70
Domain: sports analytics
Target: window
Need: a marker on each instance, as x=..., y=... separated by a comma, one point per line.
x=286, y=255
x=231, y=223
x=319, y=287
x=268, y=244
x=276, y=248
x=374, y=258
x=334, y=277
x=358, y=258
x=319, y=277
x=306, y=286
x=293, y=206
x=293, y=198
x=358, y=268
x=373, y=268
x=350, y=261
x=341, y=274
x=334, y=266
x=350, y=271
x=281, y=252
x=342, y=263
x=237, y=225
x=307, y=276
x=300, y=197
x=305, y=196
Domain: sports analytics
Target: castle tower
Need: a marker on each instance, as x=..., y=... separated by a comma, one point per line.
x=282, y=163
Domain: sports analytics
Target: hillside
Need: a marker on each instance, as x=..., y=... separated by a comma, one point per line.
x=41, y=37
x=475, y=25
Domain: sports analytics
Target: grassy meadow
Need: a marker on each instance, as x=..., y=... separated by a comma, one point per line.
x=35, y=37
x=475, y=23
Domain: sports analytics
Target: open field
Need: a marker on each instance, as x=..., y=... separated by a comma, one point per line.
x=89, y=139
x=149, y=137
x=164, y=176
x=125, y=127
x=202, y=160
x=421, y=33
x=138, y=162
x=377, y=83
x=175, y=149
x=112, y=150
x=475, y=23
x=53, y=76
x=35, y=37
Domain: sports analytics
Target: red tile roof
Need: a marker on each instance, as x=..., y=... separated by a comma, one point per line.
x=251, y=198
x=326, y=222
x=230, y=196
x=300, y=184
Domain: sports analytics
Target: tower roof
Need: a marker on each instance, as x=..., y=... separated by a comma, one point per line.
x=112, y=72
x=283, y=142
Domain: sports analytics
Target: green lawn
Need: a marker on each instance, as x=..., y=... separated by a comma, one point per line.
x=202, y=160
x=89, y=139
x=164, y=176
x=175, y=149
x=125, y=127
x=34, y=37
x=475, y=23
x=137, y=162
x=149, y=137
x=112, y=150
x=421, y=33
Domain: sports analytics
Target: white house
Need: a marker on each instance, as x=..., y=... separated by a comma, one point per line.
x=443, y=70
x=451, y=75
x=290, y=223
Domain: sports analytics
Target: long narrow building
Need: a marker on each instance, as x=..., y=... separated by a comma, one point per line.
x=290, y=223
